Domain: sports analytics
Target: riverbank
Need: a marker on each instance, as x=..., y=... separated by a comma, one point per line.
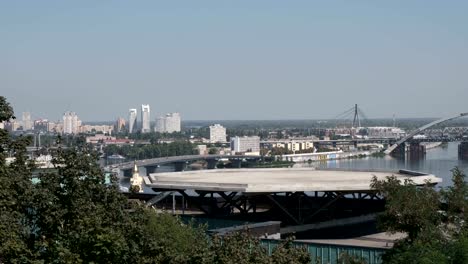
x=325, y=156
x=273, y=164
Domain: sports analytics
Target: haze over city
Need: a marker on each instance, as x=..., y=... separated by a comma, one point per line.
x=235, y=60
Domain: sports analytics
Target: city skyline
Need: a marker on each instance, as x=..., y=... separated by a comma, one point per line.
x=154, y=120
x=235, y=61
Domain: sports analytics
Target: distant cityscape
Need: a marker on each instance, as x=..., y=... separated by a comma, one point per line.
x=348, y=134
x=72, y=124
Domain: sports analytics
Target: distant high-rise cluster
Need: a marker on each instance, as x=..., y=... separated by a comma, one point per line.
x=217, y=133
x=164, y=124
x=68, y=124
x=145, y=119
x=71, y=123
x=27, y=122
x=168, y=123
x=132, y=120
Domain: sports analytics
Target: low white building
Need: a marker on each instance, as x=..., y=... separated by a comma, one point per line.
x=44, y=161
x=249, y=145
x=294, y=145
x=385, y=132
x=97, y=138
x=105, y=129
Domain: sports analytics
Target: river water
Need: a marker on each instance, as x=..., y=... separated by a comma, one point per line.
x=438, y=161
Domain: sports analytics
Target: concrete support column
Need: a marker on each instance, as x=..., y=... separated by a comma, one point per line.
x=127, y=172
x=400, y=151
x=416, y=150
x=236, y=163
x=180, y=166
x=150, y=169
x=212, y=164
x=463, y=150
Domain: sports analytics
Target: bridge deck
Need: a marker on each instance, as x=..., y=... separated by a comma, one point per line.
x=172, y=159
x=275, y=180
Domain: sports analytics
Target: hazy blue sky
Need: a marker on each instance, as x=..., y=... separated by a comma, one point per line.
x=235, y=59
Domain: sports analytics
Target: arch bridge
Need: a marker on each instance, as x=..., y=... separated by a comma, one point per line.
x=419, y=130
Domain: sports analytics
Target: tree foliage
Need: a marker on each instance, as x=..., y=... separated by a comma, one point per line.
x=155, y=150
x=241, y=248
x=435, y=222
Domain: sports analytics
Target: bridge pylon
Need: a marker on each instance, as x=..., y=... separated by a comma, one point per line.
x=463, y=150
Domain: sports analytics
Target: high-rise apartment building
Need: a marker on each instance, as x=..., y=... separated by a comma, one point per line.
x=71, y=123
x=217, y=133
x=27, y=122
x=160, y=125
x=145, y=119
x=12, y=125
x=120, y=125
x=132, y=120
x=245, y=144
x=168, y=123
x=172, y=122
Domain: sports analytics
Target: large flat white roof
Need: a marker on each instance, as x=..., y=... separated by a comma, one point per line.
x=276, y=180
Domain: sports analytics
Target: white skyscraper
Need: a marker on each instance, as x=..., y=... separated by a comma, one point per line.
x=132, y=120
x=217, y=133
x=168, y=123
x=71, y=123
x=27, y=122
x=160, y=124
x=145, y=119
x=172, y=122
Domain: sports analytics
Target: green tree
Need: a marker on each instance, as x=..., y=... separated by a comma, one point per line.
x=435, y=222
x=212, y=151
x=15, y=192
x=408, y=208
x=241, y=248
x=346, y=258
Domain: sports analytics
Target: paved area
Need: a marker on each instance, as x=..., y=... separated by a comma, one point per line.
x=379, y=240
x=276, y=180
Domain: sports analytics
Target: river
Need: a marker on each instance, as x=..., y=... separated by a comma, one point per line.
x=438, y=161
